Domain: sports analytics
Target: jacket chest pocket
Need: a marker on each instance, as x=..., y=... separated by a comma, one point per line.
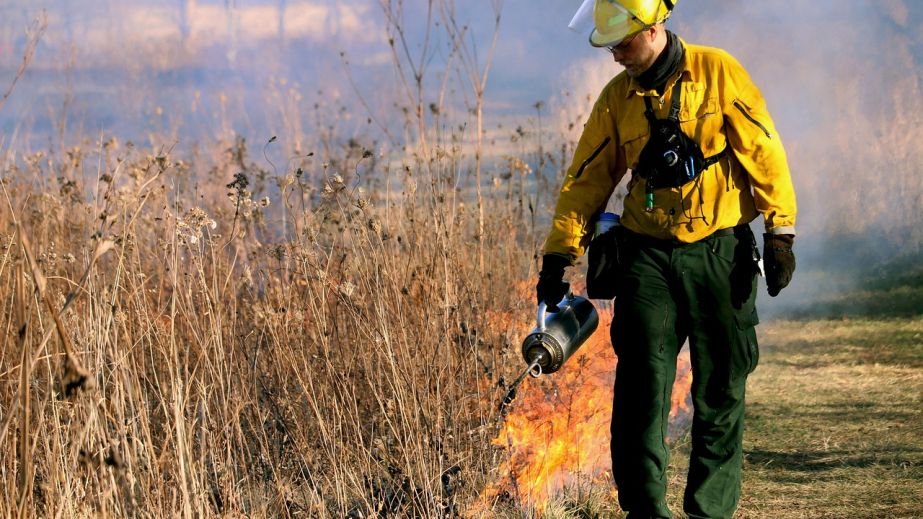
x=697, y=103
x=633, y=130
x=633, y=145
x=700, y=118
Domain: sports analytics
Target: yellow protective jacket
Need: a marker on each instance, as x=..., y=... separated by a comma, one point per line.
x=720, y=107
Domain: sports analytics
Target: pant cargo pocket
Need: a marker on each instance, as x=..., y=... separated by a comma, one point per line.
x=745, y=355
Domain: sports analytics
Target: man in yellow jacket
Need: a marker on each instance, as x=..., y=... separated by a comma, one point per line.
x=705, y=160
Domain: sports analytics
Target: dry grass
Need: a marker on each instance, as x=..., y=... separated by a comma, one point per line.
x=196, y=335
x=835, y=423
x=350, y=364
x=347, y=366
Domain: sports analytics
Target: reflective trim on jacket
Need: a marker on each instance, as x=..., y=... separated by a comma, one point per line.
x=720, y=107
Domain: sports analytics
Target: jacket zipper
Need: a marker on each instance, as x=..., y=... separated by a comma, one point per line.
x=592, y=156
x=751, y=119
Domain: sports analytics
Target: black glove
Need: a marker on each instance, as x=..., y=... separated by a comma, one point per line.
x=779, y=261
x=551, y=287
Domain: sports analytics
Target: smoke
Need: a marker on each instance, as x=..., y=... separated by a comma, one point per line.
x=174, y=73
x=843, y=83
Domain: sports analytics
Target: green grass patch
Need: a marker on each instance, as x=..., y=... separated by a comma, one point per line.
x=835, y=421
x=888, y=290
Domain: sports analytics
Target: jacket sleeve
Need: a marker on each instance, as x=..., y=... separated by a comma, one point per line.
x=759, y=150
x=597, y=167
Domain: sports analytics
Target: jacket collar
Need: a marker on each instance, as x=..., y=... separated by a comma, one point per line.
x=685, y=74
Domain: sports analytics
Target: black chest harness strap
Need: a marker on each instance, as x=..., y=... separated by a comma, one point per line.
x=670, y=158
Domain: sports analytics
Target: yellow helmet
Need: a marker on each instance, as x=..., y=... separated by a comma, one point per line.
x=616, y=20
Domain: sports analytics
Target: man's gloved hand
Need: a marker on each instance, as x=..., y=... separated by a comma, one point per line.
x=551, y=287
x=779, y=261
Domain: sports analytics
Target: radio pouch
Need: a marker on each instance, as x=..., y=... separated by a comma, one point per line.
x=671, y=158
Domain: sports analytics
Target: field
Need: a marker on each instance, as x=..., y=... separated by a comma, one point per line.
x=835, y=420
x=323, y=325
x=206, y=365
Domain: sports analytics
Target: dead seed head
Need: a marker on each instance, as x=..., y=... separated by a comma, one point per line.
x=74, y=379
x=239, y=184
x=112, y=458
x=284, y=182
x=346, y=289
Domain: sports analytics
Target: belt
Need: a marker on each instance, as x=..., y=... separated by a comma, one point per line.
x=739, y=230
x=727, y=231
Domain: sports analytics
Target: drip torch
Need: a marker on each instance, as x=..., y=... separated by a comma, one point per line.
x=555, y=338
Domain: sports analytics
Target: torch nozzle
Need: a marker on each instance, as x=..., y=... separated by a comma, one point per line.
x=534, y=369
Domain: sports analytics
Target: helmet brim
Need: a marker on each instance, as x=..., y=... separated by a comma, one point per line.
x=613, y=23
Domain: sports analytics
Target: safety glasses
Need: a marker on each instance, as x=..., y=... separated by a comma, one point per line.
x=623, y=45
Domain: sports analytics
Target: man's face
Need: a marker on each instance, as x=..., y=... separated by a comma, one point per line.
x=636, y=53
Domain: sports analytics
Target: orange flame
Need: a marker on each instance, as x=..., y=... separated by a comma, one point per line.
x=557, y=430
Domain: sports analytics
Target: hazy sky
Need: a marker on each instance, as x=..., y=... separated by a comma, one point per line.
x=179, y=54
x=842, y=79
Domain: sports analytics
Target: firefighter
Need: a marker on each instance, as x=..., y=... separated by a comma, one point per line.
x=705, y=160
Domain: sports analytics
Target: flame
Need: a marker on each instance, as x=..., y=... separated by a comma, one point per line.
x=681, y=400
x=557, y=430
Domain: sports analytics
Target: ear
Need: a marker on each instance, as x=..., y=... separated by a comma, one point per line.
x=655, y=32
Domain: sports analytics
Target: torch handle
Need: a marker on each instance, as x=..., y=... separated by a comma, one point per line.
x=543, y=309
x=540, y=317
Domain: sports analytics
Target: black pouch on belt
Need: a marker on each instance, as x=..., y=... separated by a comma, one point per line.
x=603, y=264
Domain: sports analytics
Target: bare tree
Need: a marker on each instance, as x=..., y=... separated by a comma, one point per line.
x=183, y=20
x=230, y=8
x=412, y=79
x=476, y=73
x=34, y=34
x=281, y=27
x=411, y=61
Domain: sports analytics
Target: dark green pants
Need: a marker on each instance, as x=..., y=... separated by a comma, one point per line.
x=704, y=292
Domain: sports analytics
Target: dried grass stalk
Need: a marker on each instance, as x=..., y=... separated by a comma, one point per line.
x=75, y=375
x=25, y=449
